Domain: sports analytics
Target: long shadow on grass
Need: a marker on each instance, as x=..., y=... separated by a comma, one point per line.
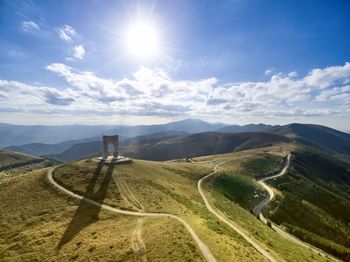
x=87, y=213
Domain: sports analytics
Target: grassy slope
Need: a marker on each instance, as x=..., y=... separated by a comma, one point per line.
x=15, y=163
x=10, y=157
x=171, y=187
x=315, y=204
x=36, y=219
x=241, y=216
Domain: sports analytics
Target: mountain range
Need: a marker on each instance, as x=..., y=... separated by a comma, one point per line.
x=186, y=138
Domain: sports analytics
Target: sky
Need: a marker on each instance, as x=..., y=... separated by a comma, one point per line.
x=145, y=62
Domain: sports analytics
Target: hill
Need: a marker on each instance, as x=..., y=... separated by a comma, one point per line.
x=9, y=158
x=47, y=149
x=14, y=163
x=315, y=201
x=14, y=135
x=178, y=146
x=202, y=144
x=324, y=138
x=39, y=222
x=94, y=148
x=245, y=128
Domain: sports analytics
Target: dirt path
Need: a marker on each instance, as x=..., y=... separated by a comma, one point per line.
x=127, y=193
x=203, y=248
x=225, y=220
x=271, y=194
x=137, y=243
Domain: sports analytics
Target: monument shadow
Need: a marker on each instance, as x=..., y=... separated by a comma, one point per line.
x=87, y=213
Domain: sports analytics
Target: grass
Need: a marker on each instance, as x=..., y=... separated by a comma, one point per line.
x=261, y=165
x=315, y=202
x=14, y=164
x=38, y=224
x=232, y=190
x=171, y=187
x=240, y=189
x=9, y=158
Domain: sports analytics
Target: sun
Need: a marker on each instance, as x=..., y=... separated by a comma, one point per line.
x=142, y=40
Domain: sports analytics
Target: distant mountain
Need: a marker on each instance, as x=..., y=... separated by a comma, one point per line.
x=188, y=125
x=93, y=148
x=15, y=135
x=48, y=149
x=245, y=128
x=321, y=137
x=79, y=151
x=54, y=140
x=178, y=146
x=207, y=143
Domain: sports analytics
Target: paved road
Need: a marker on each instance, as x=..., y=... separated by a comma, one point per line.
x=225, y=220
x=271, y=194
x=203, y=248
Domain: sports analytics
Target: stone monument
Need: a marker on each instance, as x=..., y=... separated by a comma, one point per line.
x=106, y=140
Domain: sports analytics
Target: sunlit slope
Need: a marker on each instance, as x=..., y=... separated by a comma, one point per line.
x=171, y=187
x=8, y=158
x=315, y=201
x=322, y=137
x=312, y=199
x=14, y=163
x=40, y=224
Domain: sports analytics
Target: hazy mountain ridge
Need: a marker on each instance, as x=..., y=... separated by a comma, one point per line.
x=178, y=146
x=324, y=138
x=321, y=137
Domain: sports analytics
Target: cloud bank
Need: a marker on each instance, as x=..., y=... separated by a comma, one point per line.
x=153, y=92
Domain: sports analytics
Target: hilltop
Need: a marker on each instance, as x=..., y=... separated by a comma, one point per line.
x=144, y=186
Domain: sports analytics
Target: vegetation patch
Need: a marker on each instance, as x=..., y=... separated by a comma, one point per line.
x=262, y=165
x=240, y=189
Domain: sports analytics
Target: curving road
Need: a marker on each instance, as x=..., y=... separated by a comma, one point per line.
x=271, y=194
x=203, y=248
x=224, y=219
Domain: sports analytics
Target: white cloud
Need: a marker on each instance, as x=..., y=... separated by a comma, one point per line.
x=153, y=92
x=326, y=77
x=66, y=32
x=30, y=27
x=79, y=52
x=269, y=71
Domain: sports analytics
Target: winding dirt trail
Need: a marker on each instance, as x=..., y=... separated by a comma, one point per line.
x=224, y=219
x=203, y=248
x=137, y=243
x=271, y=194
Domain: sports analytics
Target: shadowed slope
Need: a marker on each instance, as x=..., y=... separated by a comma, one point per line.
x=86, y=213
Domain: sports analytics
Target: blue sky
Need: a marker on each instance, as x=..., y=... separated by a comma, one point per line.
x=245, y=61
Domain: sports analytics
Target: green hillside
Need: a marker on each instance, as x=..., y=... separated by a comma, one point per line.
x=14, y=163
x=41, y=222
x=315, y=202
x=8, y=158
